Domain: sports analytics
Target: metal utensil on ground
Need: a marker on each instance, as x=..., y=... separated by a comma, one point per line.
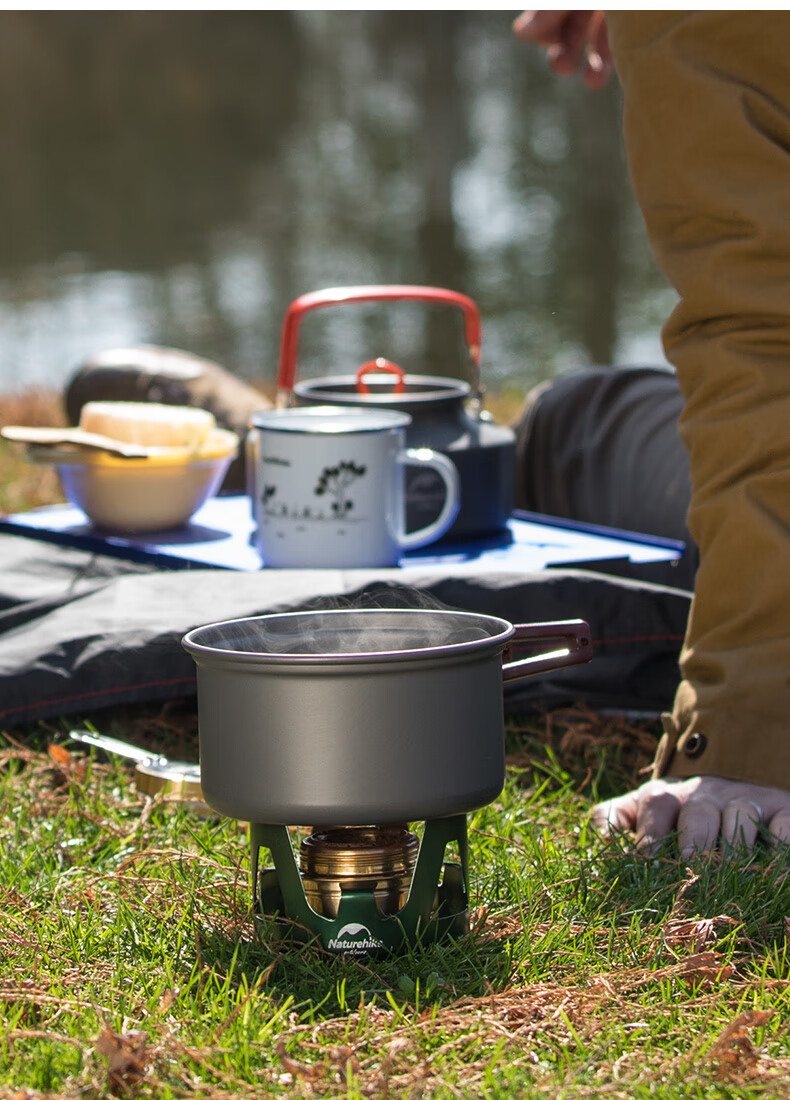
x=153, y=773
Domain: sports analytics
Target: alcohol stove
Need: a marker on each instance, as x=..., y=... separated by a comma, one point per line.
x=362, y=889
x=359, y=722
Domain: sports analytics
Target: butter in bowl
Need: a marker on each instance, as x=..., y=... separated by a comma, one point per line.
x=135, y=467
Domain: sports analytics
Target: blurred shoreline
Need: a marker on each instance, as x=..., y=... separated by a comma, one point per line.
x=178, y=178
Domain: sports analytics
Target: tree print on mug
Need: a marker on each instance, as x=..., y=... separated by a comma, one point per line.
x=336, y=481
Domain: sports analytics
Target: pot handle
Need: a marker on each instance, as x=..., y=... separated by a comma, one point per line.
x=339, y=294
x=576, y=647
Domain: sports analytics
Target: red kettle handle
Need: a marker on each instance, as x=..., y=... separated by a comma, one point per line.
x=339, y=294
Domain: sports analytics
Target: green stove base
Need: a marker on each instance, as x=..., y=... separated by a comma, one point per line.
x=437, y=905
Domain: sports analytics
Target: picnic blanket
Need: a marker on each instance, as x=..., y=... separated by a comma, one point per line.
x=80, y=630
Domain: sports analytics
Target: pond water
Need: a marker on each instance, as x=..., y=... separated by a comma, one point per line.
x=178, y=178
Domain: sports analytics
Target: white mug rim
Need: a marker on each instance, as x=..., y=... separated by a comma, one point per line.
x=329, y=420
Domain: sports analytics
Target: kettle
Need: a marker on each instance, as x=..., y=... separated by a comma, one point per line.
x=447, y=414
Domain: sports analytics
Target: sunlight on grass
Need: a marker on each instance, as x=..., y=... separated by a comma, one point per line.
x=130, y=966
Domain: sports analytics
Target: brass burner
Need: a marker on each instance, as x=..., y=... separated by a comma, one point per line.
x=358, y=858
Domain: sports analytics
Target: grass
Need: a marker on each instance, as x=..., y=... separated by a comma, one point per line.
x=129, y=966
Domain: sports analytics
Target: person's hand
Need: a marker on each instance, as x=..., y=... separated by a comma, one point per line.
x=705, y=811
x=575, y=41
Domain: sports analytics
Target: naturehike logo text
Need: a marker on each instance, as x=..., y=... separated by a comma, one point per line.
x=354, y=939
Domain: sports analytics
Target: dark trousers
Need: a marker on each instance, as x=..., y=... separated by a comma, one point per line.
x=601, y=445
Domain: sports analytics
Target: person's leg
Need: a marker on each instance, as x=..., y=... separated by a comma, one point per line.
x=168, y=376
x=708, y=138
x=601, y=445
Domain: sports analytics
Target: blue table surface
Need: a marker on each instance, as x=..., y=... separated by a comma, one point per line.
x=220, y=536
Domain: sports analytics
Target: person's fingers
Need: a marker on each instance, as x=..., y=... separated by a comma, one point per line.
x=699, y=822
x=542, y=27
x=739, y=822
x=596, y=74
x=565, y=56
x=574, y=41
x=779, y=827
x=656, y=817
x=703, y=809
x=599, y=62
x=598, y=36
x=618, y=814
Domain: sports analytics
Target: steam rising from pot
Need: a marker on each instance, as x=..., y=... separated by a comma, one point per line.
x=341, y=632
x=320, y=629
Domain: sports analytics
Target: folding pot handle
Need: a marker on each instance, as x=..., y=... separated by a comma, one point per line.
x=574, y=634
x=336, y=295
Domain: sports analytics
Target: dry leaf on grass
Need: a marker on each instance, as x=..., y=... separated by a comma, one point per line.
x=705, y=968
x=299, y=1069
x=338, y=1060
x=734, y=1050
x=67, y=768
x=127, y=1055
x=60, y=755
x=694, y=933
x=167, y=1000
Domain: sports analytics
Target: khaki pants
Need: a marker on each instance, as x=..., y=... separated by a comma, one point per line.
x=707, y=126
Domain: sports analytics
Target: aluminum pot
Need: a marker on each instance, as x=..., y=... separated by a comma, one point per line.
x=446, y=414
x=358, y=717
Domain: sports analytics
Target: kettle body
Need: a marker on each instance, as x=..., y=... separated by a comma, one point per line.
x=447, y=414
x=483, y=452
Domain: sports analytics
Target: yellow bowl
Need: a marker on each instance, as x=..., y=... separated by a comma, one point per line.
x=134, y=495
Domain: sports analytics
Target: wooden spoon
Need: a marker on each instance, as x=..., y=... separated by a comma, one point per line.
x=56, y=437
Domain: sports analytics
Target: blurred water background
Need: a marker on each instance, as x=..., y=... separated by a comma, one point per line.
x=178, y=178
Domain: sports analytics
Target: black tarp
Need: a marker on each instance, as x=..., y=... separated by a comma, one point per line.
x=80, y=631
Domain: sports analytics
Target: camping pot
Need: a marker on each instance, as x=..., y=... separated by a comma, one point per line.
x=359, y=717
x=446, y=414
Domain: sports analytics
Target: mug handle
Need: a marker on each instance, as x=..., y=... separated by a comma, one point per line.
x=445, y=468
x=576, y=647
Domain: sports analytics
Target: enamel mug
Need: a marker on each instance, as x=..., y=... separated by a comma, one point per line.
x=328, y=487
